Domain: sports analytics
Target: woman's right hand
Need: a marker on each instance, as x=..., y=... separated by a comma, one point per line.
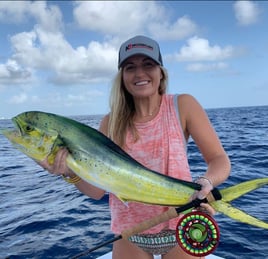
x=59, y=167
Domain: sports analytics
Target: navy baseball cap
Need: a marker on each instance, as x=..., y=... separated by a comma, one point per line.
x=140, y=45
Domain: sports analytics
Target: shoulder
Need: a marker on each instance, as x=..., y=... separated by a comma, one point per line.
x=103, y=128
x=186, y=99
x=191, y=112
x=188, y=104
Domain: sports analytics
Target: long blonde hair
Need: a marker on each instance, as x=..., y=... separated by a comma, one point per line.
x=123, y=108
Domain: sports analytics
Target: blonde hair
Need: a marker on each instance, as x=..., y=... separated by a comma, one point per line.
x=123, y=108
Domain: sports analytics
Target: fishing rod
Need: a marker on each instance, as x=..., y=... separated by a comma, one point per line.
x=169, y=214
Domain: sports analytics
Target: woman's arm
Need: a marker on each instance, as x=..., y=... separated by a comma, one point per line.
x=59, y=167
x=195, y=123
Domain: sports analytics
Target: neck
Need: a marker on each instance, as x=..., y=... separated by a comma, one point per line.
x=147, y=109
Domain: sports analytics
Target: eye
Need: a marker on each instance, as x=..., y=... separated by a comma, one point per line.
x=28, y=128
x=129, y=67
x=149, y=64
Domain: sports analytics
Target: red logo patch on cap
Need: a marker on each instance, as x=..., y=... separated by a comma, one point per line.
x=138, y=45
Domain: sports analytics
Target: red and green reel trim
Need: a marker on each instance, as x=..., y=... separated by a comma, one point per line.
x=197, y=233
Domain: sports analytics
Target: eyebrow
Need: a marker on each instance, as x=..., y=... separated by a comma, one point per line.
x=145, y=59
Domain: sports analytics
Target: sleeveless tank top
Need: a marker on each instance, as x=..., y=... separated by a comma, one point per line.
x=161, y=147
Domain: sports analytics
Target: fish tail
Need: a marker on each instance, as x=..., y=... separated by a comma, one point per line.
x=237, y=214
x=235, y=191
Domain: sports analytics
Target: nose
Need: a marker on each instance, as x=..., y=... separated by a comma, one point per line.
x=139, y=70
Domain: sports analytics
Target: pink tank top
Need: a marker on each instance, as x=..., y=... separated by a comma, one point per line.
x=161, y=147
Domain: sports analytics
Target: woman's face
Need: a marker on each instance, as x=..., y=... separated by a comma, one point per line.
x=141, y=76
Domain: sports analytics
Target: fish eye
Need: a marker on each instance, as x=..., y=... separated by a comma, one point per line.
x=28, y=128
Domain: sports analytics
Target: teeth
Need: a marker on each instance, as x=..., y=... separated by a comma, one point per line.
x=141, y=83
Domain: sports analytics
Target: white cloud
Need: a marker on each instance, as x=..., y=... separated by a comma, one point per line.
x=46, y=49
x=12, y=72
x=27, y=46
x=50, y=51
x=84, y=97
x=4, y=73
x=204, y=67
x=94, y=63
x=48, y=16
x=11, y=12
x=246, y=12
x=110, y=17
x=199, y=49
x=18, y=99
x=131, y=17
x=182, y=28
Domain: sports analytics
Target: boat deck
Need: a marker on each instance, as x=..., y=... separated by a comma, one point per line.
x=109, y=256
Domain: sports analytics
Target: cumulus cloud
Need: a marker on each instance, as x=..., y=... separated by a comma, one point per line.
x=199, y=49
x=129, y=18
x=13, y=13
x=45, y=48
x=246, y=12
x=181, y=29
x=27, y=46
x=51, y=52
x=202, y=56
x=112, y=17
x=12, y=72
x=49, y=16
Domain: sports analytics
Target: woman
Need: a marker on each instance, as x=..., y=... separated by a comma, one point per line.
x=153, y=128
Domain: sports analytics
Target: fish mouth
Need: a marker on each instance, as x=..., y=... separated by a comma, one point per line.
x=17, y=126
x=14, y=132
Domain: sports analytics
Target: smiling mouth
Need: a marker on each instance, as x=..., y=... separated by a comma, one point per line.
x=142, y=82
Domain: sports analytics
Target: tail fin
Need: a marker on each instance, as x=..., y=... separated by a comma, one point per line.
x=235, y=191
x=234, y=213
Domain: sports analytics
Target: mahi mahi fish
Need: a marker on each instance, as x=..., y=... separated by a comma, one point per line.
x=100, y=162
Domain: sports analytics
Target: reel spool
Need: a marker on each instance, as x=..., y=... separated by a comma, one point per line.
x=197, y=233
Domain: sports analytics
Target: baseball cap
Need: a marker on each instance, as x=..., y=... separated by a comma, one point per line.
x=140, y=45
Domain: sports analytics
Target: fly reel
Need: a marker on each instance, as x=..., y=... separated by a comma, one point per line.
x=197, y=233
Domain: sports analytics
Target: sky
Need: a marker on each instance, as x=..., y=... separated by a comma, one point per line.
x=61, y=56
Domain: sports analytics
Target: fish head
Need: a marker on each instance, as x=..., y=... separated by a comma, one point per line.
x=36, y=142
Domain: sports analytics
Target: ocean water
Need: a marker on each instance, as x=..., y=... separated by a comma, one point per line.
x=41, y=216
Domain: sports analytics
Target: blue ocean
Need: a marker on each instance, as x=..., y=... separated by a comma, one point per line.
x=41, y=216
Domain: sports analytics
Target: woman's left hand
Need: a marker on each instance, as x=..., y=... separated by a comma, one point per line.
x=202, y=194
x=205, y=207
